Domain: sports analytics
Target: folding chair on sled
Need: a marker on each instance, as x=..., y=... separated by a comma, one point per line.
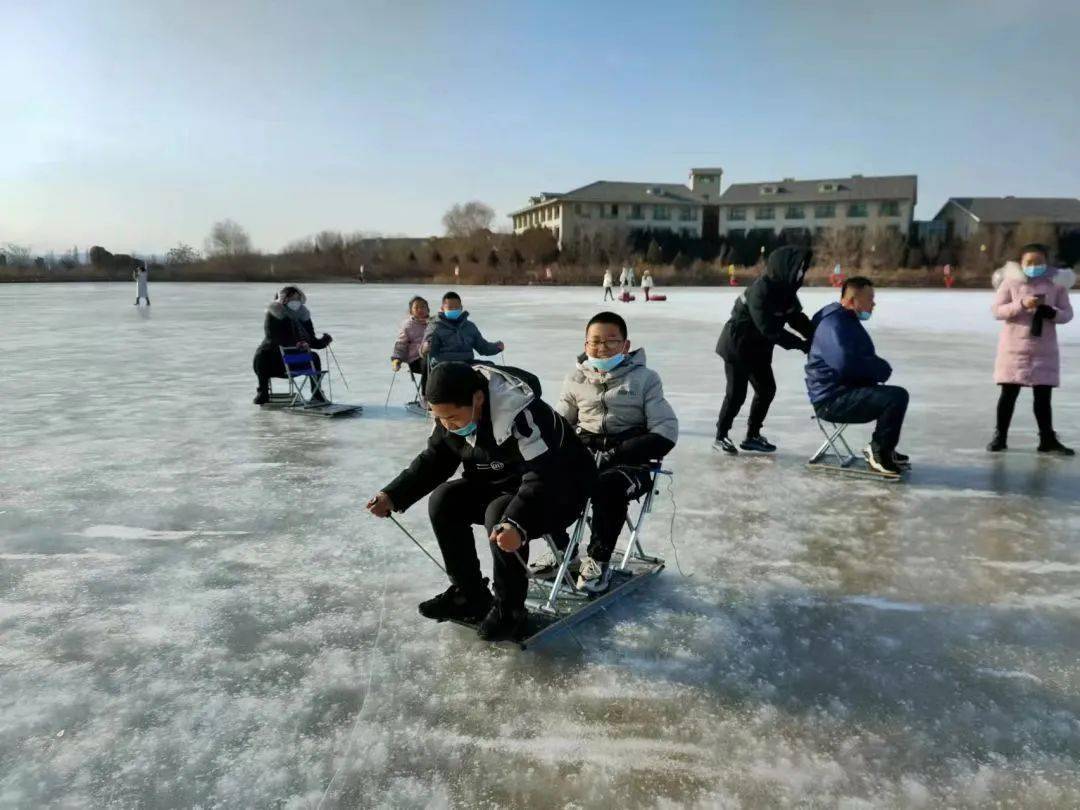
x=302, y=373
x=836, y=455
x=557, y=604
x=416, y=407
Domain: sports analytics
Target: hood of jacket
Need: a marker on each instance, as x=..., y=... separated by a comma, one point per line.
x=507, y=397
x=788, y=265
x=1012, y=271
x=635, y=359
x=278, y=310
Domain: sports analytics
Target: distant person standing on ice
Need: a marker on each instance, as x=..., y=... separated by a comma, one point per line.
x=609, y=282
x=1032, y=299
x=758, y=322
x=646, y=283
x=141, y=288
x=630, y=276
x=452, y=336
x=623, y=277
x=410, y=339
x=287, y=323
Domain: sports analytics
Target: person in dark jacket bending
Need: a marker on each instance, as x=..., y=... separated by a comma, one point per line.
x=845, y=377
x=525, y=474
x=287, y=323
x=758, y=322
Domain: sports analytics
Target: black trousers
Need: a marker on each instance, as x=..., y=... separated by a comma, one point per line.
x=1044, y=417
x=757, y=373
x=615, y=488
x=609, y=293
x=268, y=363
x=885, y=404
x=420, y=366
x=458, y=505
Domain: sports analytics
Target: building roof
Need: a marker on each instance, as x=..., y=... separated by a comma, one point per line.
x=856, y=187
x=607, y=191
x=991, y=210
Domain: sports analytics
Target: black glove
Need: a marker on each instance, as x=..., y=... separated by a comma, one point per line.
x=1045, y=311
x=326, y=337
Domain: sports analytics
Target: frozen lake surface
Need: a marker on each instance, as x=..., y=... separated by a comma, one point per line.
x=195, y=610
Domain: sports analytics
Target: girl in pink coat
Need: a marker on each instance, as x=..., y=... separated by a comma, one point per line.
x=1032, y=299
x=410, y=339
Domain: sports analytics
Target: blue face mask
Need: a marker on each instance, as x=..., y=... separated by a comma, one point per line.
x=865, y=316
x=468, y=430
x=606, y=363
x=452, y=314
x=1035, y=271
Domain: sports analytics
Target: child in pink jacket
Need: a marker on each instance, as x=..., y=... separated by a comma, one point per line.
x=410, y=338
x=1032, y=299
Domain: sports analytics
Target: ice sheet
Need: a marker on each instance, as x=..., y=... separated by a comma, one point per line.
x=196, y=611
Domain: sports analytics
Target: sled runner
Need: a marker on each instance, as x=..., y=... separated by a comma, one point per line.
x=415, y=407
x=558, y=604
x=835, y=455
x=304, y=380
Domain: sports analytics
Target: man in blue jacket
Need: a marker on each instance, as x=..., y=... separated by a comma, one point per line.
x=845, y=377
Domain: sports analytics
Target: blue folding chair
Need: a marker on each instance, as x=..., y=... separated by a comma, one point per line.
x=300, y=367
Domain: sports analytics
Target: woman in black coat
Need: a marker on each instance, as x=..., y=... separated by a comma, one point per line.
x=287, y=323
x=758, y=322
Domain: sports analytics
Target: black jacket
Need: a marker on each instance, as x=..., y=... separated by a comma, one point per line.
x=521, y=446
x=281, y=330
x=769, y=304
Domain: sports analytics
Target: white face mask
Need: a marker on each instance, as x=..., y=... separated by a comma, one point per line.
x=294, y=305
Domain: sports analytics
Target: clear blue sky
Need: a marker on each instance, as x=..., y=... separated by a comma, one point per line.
x=137, y=124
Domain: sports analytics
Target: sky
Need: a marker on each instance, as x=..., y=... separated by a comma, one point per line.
x=137, y=125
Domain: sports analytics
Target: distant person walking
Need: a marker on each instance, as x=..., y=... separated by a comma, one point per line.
x=608, y=284
x=1032, y=299
x=646, y=284
x=623, y=276
x=142, y=289
x=362, y=279
x=630, y=276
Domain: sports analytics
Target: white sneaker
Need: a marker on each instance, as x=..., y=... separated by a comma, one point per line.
x=547, y=564
x=594, y=577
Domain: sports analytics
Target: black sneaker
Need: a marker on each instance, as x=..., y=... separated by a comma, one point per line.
x=902, y=460
x=501, y=624
x=997, y=444
x=455, y=604
x=1050, y=444
x=725, y=445
x=758, y=444
x=881, y=462
x=261, y=397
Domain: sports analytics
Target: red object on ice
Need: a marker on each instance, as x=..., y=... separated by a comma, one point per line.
x=949, y=282
x=657, y=298
x=627, y=297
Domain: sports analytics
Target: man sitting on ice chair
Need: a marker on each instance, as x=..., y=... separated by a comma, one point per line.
x=526, y=474
x=845, y=377
x=617, y=405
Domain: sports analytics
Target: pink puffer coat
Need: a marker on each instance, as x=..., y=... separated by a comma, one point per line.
x=410, y=336
x=1021, y=358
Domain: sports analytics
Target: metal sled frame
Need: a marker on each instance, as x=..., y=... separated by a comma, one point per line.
x=837, y=447
x=299, y=366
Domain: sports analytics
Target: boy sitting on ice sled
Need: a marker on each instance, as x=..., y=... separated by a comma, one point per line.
x=617, y=405
x=525, y=474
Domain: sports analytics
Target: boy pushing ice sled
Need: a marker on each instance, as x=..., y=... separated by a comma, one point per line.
x=525, y=474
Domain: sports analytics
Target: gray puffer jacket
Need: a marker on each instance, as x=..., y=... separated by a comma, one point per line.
x=449, y=340
x=623, y=411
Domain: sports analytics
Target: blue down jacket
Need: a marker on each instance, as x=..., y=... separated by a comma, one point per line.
x=841, y=355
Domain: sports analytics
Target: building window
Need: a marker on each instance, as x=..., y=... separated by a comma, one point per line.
x=890, y=208
x=765, y=212
x=635, y=212
x=794, y=212
x=856, y=210
x=661, y=212
x=687, y=213
x=614, y=211
x=736, y=214
x=825, y=211
x=582, y=211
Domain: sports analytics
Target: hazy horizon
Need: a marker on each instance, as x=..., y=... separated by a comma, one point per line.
x=137, y=126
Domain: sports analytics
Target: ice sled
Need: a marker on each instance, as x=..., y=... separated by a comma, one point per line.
x=414, y=407
x=304, y=380
x=557, y=604
x=652, y=298
x=835, y=455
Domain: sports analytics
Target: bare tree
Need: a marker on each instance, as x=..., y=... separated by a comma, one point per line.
x=17, y=255
x=182, y=254
x=465, y=220
x=227, y=238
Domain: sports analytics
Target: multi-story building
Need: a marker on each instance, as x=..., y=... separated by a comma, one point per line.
x=965, y=216
x=607, y=209
x=808, y=207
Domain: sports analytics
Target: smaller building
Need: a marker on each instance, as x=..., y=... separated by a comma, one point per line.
x=965, y=216
x=808, y=207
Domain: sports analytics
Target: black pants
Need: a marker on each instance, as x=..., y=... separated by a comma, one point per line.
x=458, y=505
x=758, y=374
x=885, y=404
x=609, y=293
x=268, y=363
x=1007, y=403
x=420, y=366
x=616, y=487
